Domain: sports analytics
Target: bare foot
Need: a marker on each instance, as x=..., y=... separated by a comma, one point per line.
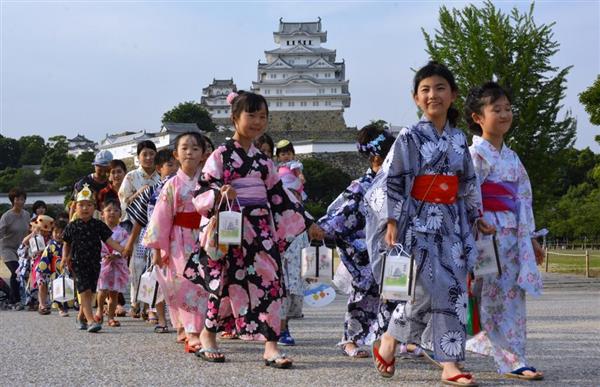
x=387, y=351
x=209, y=341
x=452, y=369
x=181, y=336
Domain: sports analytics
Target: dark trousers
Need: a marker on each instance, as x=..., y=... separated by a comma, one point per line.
x=14, y=295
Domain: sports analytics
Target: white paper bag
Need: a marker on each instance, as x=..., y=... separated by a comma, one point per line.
x=343, y=279
x=230, y=225
x=396, y=276
x=148, y=289
x=36, y=245
x=317, y=262
x=63, y=289
x=488, y=261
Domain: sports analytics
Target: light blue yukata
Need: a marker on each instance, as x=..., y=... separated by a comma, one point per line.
x=502, y=299
x=439, y=236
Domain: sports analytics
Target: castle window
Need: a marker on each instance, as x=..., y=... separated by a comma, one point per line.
x=302, y=103
x=327, y=103
x=310, y=42
x=267, y=91
x=288, y=42
x=279, y=103
x=333, y=91
x=291, y=103
x=279, y=91
x=273, y=76
x=315, y=103
x=321, y=91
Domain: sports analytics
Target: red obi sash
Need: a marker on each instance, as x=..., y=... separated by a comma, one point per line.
x=443, y=190
x=187, y=220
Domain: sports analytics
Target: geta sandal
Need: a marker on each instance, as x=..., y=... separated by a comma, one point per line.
x=202, y=354
x=453, y=381
x=283, y=363
x=377, y=360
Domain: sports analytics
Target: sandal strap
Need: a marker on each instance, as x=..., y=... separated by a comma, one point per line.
x=519, y=371
x=382, y=360
x=210, y=350
x=459, y=376
x=279, y=356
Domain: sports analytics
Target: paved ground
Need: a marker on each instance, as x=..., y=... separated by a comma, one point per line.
x=564, y=342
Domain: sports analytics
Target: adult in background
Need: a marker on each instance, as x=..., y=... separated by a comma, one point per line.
x=96, y=181
x=14, y=226
x=134, y=184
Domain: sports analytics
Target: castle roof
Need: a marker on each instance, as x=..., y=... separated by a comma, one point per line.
x=80, y=138
x=296, y=28
x=220, y=83
x=301, y=50
x=178, y=127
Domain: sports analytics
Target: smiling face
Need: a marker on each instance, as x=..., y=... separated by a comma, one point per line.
x=146, y=158
x=495, y=118
x=189, y=154
x=434, y=96
x=116, y=176
x=251, y=125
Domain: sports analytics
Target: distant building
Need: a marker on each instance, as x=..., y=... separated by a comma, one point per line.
x=300, y=74
x=80, y=144
x=124, y=145
x=214, y=99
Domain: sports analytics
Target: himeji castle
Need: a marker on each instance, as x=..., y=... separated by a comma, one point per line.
x=300, y=74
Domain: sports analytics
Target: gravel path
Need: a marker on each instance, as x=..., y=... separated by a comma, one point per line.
x=564, y=342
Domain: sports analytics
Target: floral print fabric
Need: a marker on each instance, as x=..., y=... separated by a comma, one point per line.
x=438, y=235
x=114, y=274
x=247, y=288
x=502, y=300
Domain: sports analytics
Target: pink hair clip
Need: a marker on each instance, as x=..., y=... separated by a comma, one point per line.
x=231, y=96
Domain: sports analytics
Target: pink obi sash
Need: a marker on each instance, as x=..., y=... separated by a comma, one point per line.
x=499, y=196
x=251, y=191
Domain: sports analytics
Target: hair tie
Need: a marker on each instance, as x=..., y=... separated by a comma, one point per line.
x=231, y=96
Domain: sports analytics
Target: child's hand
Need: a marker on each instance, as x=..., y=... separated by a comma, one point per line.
x=538, y=251
x=485, y=228
x=156, y=260
x=228, y=191
x=391, y=232
x=315, y=232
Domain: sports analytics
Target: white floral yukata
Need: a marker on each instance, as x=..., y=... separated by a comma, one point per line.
x=439, y=237
x=502, y=300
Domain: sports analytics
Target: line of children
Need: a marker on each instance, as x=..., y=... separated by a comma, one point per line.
x=50, y=266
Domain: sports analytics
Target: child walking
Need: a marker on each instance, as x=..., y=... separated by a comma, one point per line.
x=82, y=248
x=173, y=233
x=50, y=265
x=507, y=205
x=42, y=226
x=346, y=221
x=114, y=273
x=433, y=201
x=250, y=289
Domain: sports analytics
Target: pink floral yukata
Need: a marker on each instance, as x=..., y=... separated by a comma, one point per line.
x=252, y=289
x=186, y=300
x=502, y=300
x=114, y=275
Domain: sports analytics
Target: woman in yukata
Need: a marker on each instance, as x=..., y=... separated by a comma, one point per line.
x=433, y=201
x=251, y=289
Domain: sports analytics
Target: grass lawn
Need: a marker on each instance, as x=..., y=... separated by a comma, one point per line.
x=573, y=265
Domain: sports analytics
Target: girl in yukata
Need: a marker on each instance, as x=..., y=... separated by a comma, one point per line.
x=49, y=265
x=507, y=205
x=114, y=273
x=250, y=290
x=173, y=232
x=345, y=221
x=433, y=202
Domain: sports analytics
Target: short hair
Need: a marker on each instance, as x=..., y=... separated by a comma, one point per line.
x=111, y=202
x=163, y=156
x=16, y=192
x=116, y=163
x=145, y=144
x=480, y=96
x=208, y=142
x=60, y=224
x=197, y=135
x=248, y=102
x=38, y=204
x=265, y=139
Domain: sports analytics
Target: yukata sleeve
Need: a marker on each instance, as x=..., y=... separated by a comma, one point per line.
x=138, y=209
x=158, y=233
x=346, y=218
x=525, y=201
x=126, y=189
x=469, y=187
x=481, y=166
x=210, y=184
x=402, y=168
x=288, y=213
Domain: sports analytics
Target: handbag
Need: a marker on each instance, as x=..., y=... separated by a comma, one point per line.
x=317, y=262
x=397, y=280
x=63, y=288
x=148, y=289
x=488, y=259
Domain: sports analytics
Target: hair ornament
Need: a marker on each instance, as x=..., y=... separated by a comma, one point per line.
x=231, y=96
x=373, y=147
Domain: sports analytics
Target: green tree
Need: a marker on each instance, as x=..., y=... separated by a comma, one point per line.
x=73, y=170
x=55, y=157
x=21, y=177
x=380, y=124
x=323, y=184
x=190, y=112
x=33, y=149
x=590, y=99
x=10, y=153
x=482, y=44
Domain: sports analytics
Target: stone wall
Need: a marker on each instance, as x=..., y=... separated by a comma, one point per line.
x=309, y=121
x=350, y=162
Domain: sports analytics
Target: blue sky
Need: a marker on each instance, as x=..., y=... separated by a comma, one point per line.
x=101, y=67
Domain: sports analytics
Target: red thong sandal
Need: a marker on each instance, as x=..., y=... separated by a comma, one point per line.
x=191, y=348
x=377, y=360
x=113, y=323
x=453, y=381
